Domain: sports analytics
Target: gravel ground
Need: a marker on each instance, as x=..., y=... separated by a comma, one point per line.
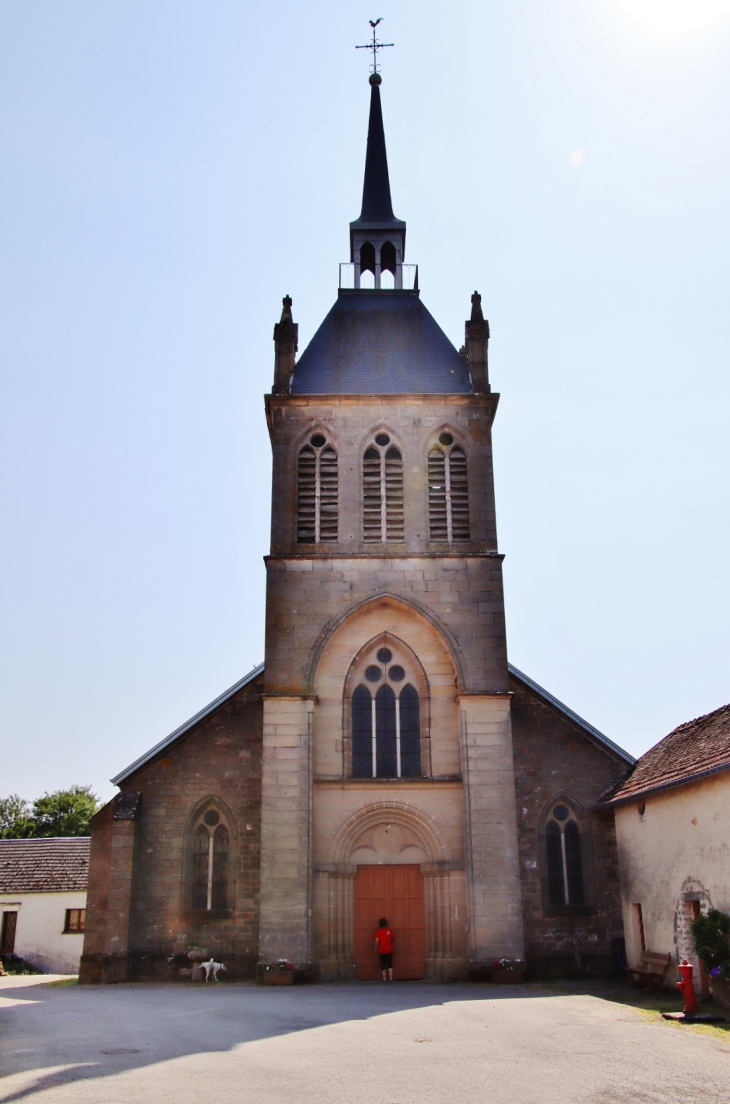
x=345, y=1044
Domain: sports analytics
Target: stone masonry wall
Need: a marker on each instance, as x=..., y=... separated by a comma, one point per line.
x=220, y=758
x=555, y=757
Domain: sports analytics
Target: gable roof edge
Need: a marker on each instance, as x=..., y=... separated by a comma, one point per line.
x=567, y=712
x=202, y=715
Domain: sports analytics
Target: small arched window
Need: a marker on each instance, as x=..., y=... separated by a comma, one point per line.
x=386, y=718
x=211, y=844
x=564, y=858
x=367, y=257
x=317, y=492
x=382, y=475
x=448, y=491
x=387, y=257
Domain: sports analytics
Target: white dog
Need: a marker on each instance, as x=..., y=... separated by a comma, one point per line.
x=211, y=967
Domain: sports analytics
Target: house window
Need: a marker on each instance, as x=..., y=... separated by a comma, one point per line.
x=564, y=861
x=75, y=920
x=317, y=492
x=386, y=718
x=7, y=938
x=382, y=491
x=448, y=491
x=211, y=843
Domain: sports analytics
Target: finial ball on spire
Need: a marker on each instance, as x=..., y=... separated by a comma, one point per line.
x=375, y=78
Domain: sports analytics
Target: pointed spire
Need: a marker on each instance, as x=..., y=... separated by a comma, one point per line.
x=377, y=205
x=377, y=226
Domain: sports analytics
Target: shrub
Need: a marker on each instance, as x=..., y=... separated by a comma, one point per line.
x=710, y=939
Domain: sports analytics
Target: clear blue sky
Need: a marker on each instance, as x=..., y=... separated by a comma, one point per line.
x=172, y=168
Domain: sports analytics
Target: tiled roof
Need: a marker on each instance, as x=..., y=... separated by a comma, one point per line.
x=56, y=865
x=694, y=749
x=380, y=343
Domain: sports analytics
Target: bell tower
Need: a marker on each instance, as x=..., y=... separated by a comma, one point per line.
x=386, y=685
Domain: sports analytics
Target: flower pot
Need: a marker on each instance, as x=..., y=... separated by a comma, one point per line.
x=277, y=977
x=501, y=976
x=720, y=990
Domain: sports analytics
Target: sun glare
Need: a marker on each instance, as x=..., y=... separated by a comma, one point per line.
x=673, y=19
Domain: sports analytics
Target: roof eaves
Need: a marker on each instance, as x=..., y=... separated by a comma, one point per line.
x=672, y=785
x=556, y=704
x=185, y=728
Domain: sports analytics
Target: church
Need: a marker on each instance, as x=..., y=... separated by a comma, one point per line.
x=386, y=759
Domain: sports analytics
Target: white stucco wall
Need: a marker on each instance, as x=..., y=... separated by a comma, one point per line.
x=39, y=937
x=678, y=852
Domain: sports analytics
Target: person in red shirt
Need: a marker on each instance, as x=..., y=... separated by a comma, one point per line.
x=384, y=947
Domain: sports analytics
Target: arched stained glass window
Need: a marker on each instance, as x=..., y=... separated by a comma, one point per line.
x=410, y=732
x=201, y=849
x=362, y=733
x=386, y=742
x=210, y=875
x=563, y=857
x=386, y=717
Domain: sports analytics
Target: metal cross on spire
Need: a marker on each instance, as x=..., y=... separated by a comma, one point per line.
x=375, y=45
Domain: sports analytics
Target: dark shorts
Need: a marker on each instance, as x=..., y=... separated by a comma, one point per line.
x=386, y=961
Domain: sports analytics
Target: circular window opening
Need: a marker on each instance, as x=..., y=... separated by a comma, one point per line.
x=318, y=440
x=373, y=673
x=446, y=439
x=211, y=817
x=560, y=812
x=396, y=673
x=382, y=439
x=385, y=655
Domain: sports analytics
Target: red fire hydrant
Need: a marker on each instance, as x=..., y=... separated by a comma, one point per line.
x=687, y=989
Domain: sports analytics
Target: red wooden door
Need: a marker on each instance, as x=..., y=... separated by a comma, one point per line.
x=395, y=892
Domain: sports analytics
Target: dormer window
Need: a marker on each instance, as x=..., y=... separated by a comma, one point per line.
x=382, y=478
x=448, y=491
x=317, y=492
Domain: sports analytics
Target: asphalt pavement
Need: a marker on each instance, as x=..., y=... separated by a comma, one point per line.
x=366, y=1043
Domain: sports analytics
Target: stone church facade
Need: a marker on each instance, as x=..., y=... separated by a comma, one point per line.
x=386, y=759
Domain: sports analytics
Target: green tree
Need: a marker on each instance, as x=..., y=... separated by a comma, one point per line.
x=61, y=813
x=65, y=812
x=14, y=817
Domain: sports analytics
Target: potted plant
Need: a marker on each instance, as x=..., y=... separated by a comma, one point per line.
x=280, y=972
x=710, y=938
x=508, y=971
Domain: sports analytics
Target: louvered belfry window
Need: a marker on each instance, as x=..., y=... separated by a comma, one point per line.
x=382, y=477
x=317, y=492
x=448, y=491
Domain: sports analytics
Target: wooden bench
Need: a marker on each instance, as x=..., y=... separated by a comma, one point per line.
x=652, y=969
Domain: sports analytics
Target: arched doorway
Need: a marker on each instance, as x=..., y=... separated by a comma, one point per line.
x=395, y=892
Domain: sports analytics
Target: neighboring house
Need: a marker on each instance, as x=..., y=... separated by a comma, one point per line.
x=43, y=901
x=673, y=830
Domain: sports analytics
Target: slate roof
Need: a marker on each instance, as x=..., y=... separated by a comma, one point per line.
x=695, y=749
x=56, y=865
x=380, y=343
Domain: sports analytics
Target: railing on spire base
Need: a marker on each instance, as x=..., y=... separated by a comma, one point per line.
x=353, y=278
